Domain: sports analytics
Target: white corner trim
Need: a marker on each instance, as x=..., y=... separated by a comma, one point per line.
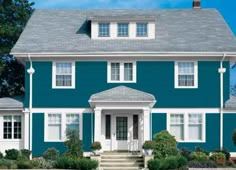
x=54, y=86
x=186, y=120
x=176, y=73
x=63, y=125
x=121, y=72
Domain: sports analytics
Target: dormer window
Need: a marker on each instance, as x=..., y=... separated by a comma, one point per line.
x=123, y=29
x=141, y=29
x=104, y=29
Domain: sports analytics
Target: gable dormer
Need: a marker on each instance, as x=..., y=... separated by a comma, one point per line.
x=116, y=27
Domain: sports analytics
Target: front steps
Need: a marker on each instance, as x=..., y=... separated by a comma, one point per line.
x=121, y=160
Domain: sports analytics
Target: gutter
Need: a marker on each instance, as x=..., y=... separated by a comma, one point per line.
x=221, y=70
x=30, y=72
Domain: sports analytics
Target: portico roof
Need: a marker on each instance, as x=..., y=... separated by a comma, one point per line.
x=122, y=94
x=231, y=103
x=11, y=103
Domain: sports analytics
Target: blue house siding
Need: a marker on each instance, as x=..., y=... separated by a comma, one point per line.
x=229, y=126
x=38, y=144
x=212, y=131
x=155, y=77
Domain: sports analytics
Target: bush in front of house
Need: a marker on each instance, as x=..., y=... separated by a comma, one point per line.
x=24, y=164
x=25, y=153
x=1, y=155
x=7, y=164
x=150, y=144
x=86, y=164
x=224, y=151
x=186, y=153
x=40, y=163
x=202, y=164
x=165, y=146
x=96, y=146
x=65, y=162
x=154, y=164
x=219, y=158
x=12, y=154
x=51, y=154
x=199, y=156
x=74, y=144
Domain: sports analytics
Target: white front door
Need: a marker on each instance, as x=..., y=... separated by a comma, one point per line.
x=122, y=137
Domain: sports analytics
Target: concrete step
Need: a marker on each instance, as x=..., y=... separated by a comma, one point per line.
x=124, y=164
x=120, y=156
x=122, y=160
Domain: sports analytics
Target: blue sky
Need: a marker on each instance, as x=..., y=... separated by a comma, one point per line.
x=226, y=7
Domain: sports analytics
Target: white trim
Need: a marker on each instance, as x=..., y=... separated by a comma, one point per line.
x=186, y=140
x=176, y=73
x=73, y=110
x=134, y=69
x=180, y=110
x=63, y=125
x=54, y=75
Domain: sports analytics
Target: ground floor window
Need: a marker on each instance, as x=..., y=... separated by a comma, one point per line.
x=57, y=125
x=187, y=126
x=12, y=127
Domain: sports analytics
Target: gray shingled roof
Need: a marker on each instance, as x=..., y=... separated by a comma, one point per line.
x=231, y=103
x=186, y=30
x=11, y=103
x=121, y=94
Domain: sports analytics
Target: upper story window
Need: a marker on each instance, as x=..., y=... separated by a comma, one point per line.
x=186, y=74
x=123, y=29
x=142, y=29
x=104, y=29
x=121, y=72
x=187, y=127
x=63, y=75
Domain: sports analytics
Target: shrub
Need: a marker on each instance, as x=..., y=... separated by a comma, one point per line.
x=154, y=164
x=65, y=162
x=166, y=145
x=218, y=157
x=149, y=144
x=51, y=154
x=199, y=156
x=25, y=153
x=202, y=164
x=234, y=136
x=24, y=164
x=182, y=161
x=41, y=163
x=6, y=164
x=1, y=155
x=169, y=163
x=86, y=164
x=199, y=149
x=96, y=146
x=74, y=144
x=12, y=154
x=227, y=154
x=186, y=153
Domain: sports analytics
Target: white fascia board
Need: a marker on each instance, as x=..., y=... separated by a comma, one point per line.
x=136, y=54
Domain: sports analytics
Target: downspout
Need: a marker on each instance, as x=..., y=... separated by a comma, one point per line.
x=30, y=72
x=221, y=70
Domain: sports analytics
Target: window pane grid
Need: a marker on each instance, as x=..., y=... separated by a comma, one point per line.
x=104, y=29
x=72, y=122
x=108, y=126
x=115, y=71
x=12, y=127
x=186, y=74
x=123, y=29
x=141, y=29
x=128, y=71
x=177, y=126
x=121, y=128
x=195, y=126
x=63, y=74
x=54, y=126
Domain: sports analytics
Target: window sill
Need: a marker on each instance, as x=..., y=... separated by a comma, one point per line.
x=11, y=140
x=63, y=87
x=186, y=87
x=121, y=81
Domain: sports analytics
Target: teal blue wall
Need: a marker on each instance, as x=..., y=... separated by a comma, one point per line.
x=38, y=144
x=153, y=77
x=229, y=126
x=212, y=131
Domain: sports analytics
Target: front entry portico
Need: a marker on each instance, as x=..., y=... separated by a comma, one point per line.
x=122, y=118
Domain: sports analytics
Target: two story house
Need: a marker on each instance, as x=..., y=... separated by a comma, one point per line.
x=121, y=76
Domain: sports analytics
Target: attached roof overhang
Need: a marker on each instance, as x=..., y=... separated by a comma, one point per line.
x=231, y=103
x=120, y=96
x=8, y=103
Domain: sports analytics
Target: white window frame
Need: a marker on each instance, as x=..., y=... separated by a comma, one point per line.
x=63, y=126
x=122, y=69
x=120, y=36
x=186, y=127
x=137, y=29
x=176, y=72
x=109, y=27
x=54, y=86
x=22, y=128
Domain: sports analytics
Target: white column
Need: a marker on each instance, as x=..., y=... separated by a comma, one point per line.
x=26, y=130
x=146, y=124
x=97, y=124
